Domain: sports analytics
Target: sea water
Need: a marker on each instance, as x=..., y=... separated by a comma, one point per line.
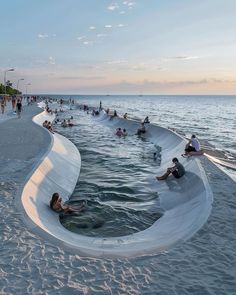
x=114, y=179
x=116, y=170
x=212, y=118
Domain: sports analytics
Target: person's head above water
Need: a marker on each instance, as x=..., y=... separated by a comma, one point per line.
x=193, y=136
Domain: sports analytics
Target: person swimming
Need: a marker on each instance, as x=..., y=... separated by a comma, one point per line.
x=125, y=133
x=57, y=206
x=64, y=123
x=119, y=132
x=70, y=123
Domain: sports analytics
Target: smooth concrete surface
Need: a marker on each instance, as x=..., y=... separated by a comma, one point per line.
x=186, y=201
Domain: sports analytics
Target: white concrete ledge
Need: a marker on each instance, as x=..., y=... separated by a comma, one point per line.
x=186, y=201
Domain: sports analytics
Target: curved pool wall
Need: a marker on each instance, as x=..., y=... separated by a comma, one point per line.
x=186, y=201
x=58, y=172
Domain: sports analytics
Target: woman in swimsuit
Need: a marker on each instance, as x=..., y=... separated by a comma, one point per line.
x=57, y=206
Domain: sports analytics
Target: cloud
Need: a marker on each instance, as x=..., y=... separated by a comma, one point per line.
x=122, y=12
x=101, y=35
x=52, y=60
x=92, y=28
x=181, y=57
x=113, y=6
x=214, y=80
x=108, y=26
x=42, y=36
x=130, y=4
x=88, y=42
x=82, y=78
x=120, y=25
x=81, y=38
x=147, y=84
x=186, y=57
x=117, y=62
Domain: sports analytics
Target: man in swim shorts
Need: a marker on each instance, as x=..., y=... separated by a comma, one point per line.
x=177, y=170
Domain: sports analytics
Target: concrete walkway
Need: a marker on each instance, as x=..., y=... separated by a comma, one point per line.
x=23, y=140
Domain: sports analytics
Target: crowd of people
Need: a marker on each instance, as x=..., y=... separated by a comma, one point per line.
x=67, y=123
x=121, y=132
x=16, y=103
x=48, y=125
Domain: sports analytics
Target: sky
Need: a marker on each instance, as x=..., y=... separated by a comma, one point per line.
x=119, y=47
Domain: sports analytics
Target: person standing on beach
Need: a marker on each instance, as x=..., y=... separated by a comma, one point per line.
x=18, y=108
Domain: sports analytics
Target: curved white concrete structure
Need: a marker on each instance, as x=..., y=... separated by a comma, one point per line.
x=186, y=201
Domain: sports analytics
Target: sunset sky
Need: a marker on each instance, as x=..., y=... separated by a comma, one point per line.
x=120, y=47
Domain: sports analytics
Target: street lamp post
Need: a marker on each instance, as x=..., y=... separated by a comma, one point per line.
x=18, y=83
x=5, y=78
x=26, y=88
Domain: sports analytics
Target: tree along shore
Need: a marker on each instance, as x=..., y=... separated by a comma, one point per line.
x=9, y=89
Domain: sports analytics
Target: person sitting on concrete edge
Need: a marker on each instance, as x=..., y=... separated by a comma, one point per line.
x=114, y=115
x=193, y=147
x=45, y=124
x=177, y=170
x=57, y=206
x=125, y=116
x=146, y=120
x=141, y=129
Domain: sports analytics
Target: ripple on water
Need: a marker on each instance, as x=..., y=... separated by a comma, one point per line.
x=114, y=181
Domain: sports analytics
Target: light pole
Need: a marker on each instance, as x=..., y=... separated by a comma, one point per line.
x=5, y=75
x=26, y=88
x=18, y=83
